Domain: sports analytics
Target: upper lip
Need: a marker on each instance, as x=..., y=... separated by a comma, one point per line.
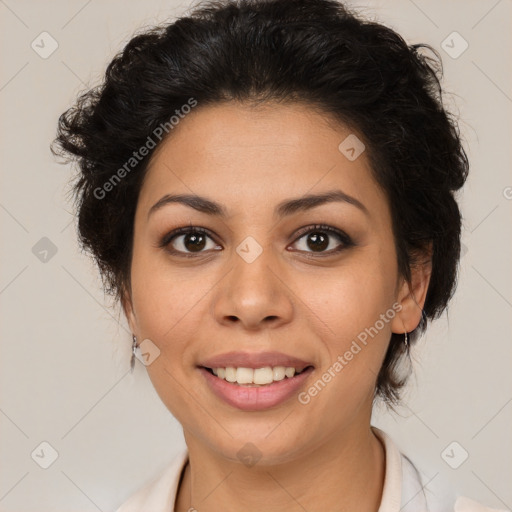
x=254, y=360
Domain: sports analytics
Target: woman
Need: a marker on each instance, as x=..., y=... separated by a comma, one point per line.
x=268, y=189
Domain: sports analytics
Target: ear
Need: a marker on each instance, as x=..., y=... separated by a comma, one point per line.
x=411, y=296
x=127, y=306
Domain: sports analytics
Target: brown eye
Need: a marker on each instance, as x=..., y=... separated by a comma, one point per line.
x=322, y=239
x=317, y=241
x=194, y=242
x=187, y=241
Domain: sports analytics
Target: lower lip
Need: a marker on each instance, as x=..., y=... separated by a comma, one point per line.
x=256, y=398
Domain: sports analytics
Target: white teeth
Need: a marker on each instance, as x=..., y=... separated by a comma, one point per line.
x=279, y=372
x=244, y=375
x=263, y=375
x=258, y=376
x=230, y=374
x=289, y=372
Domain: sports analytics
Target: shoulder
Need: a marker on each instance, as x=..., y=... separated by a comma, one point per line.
x=419, y=493
x=159, y=494
x=464, y=504
x=405, y=488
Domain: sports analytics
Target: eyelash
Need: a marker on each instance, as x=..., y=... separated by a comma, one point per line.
x=345, y=240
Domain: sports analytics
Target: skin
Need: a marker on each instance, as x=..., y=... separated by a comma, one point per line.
x=319, y=456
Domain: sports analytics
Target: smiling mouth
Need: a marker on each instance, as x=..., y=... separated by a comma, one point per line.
x=257, y=377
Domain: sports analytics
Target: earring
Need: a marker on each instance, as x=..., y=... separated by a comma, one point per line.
x=134, y=348
x=406, y=337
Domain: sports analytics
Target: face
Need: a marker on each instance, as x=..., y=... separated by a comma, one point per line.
x=263, y=276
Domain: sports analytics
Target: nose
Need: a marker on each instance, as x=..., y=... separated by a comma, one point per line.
x=254, y=295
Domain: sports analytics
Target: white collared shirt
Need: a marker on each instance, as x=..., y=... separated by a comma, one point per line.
x=403, y=491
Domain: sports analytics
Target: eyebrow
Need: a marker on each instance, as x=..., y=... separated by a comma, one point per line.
x=283, y=209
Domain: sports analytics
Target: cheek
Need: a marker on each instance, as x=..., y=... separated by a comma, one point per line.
x=354, y=340
x=353, y=312
x=352, y=298
x=169, y=304
x=169, y=301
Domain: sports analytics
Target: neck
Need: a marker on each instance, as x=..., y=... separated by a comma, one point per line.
x=346, y=473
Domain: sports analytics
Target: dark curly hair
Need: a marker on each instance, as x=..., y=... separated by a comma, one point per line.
x=255, y=51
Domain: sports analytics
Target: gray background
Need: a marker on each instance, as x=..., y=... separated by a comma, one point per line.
x=64, y=353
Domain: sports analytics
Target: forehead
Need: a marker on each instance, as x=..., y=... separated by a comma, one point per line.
x=245, y=155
